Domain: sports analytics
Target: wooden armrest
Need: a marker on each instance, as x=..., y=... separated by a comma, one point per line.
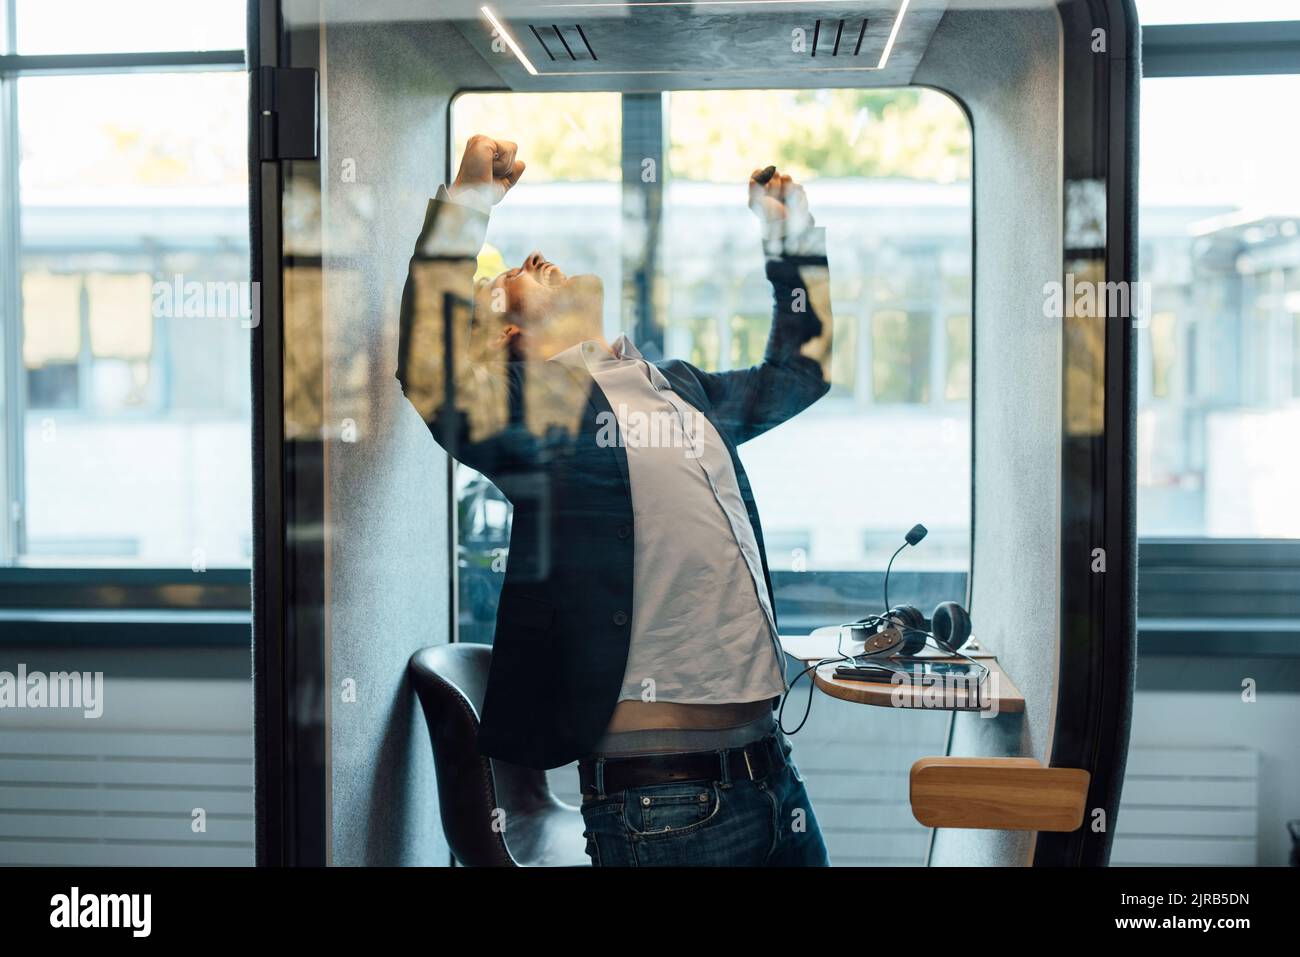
x=1012, y=794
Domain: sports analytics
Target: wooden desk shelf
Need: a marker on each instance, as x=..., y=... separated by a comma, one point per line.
x=1015, y=794
x=997, y=694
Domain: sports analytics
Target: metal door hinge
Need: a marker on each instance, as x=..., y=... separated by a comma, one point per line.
x=289, y=121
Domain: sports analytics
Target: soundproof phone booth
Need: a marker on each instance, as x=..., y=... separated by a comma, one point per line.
x=971, y=166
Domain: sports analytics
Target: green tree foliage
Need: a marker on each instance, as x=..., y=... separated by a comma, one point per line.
x=563, y=137
x=722, y=135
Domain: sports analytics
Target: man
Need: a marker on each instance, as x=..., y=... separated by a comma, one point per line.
x=636, y=630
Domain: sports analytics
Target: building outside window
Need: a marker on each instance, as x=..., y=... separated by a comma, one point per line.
x=127, y=437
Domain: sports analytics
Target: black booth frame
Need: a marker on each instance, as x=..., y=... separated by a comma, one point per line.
x=1098, y=621
x=1098, y=643
x=288, y=582
x=1098, y=630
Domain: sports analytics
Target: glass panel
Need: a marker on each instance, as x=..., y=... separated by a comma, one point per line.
x=641, y=128
x=1220, y=244
x=129, y=26
x=135, y=318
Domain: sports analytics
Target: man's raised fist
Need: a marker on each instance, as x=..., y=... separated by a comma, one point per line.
x=487, y=172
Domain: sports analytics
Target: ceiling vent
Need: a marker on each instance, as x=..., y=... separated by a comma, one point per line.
x=563, y=43
x=847, y=42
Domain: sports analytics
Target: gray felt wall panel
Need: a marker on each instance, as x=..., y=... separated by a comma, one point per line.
x=385, y=89
x=1005, y=65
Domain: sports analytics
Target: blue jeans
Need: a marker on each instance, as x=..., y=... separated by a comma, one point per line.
x=768, y=821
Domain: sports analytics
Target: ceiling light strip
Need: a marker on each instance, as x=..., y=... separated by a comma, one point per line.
x=504, y=34
x=893, y=35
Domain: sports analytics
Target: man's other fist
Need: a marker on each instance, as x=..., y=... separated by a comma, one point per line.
x=780, y=203
x=487, y=172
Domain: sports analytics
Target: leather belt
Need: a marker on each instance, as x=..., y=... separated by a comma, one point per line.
x=755, y=760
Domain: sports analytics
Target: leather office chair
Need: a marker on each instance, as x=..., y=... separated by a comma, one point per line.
x=539, y=830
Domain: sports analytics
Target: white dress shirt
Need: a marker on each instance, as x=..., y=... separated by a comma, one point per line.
x=703, y=631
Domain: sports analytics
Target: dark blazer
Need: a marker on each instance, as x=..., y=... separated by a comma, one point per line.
x=565, y=616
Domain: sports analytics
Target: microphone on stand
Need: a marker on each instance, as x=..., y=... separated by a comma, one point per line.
x=913, y=537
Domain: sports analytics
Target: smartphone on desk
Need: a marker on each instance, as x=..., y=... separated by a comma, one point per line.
x=865, y=672
x=930, y=666
x=907, y=667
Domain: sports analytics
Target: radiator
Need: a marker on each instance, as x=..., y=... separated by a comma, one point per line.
x=122, y=789
x=1189, y=807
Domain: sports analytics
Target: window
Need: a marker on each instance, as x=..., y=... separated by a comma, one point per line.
x=649, y=191
x=1220, y=248
x=1217, y=416
x=898, y=226
x=129, y=442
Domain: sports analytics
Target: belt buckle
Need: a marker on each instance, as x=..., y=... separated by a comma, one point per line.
x=748, y=767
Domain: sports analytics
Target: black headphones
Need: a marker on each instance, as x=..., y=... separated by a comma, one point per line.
x=904, y=630
x=949, y=625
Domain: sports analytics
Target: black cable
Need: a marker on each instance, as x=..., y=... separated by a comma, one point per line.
x=812, y=687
